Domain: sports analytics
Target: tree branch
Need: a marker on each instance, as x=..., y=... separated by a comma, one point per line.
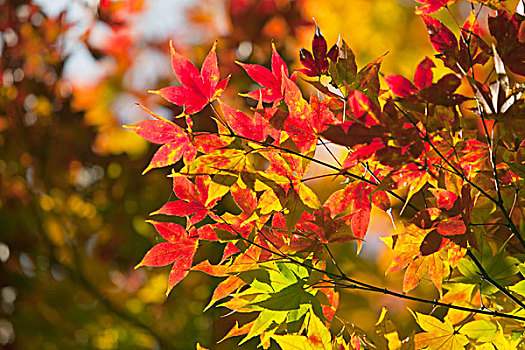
x=498, y=203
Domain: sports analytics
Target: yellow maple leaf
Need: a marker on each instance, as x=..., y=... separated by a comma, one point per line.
x=438, y=335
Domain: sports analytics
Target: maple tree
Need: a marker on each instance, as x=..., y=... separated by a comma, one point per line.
x=451, y=152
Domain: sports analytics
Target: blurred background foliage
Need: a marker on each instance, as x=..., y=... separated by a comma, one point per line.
x=72, y=201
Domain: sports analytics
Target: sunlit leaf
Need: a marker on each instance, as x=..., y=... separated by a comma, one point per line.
x=179, y=250
x=438, y=335
x=199, y=88
x=481, y=330
x=431, y=6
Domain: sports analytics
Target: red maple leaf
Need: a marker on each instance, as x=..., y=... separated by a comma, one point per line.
x=431, y=6
x=316, y=62
x=305, y=121
x=353, y=199
x=402, y=87
x=441, y=38
x=255, y=128
x=192, y=201
x=199, y=88
x=176, y=143
x=270, y=80
x=179, y=250
x=440, y=93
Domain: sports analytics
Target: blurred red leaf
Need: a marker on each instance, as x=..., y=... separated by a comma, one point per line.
x=431, y=6
x=445, y=198
x=452, y=226
x=423, y=76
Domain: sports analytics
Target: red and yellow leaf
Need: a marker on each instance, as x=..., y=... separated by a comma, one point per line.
x=199, y=88
x=179, y=250
x=270, y=80
x=431, y=6
x=255, y=128
x=229, y=285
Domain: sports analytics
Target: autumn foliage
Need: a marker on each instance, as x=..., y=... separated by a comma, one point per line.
x=443, y=156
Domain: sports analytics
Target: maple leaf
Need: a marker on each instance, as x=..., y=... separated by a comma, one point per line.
x=437, y=335
x=224, y=289
x=408, y=253
x=236, y=330
x=431, y=6
x=255, y=128
x=270, y=80
x=415, y=178
x=461, y=294
x=248, y=220
x=319, y=228
x=316, y=64
x=362, y=153
x=318, y=337
x=351, y=134
x=387, y=332
x=445, y=198
x=472, y=49
x=343, y=72
x=245, y=200
x=333, y=298
x=176, y=143
x=353, y=201
x=478, y=51
x=220, y=161
x=306, y=233
x=441, y=38
x=193, y=199
x=402, y=87
x=451, y=226
x=198, y=88
x=243, y=262
x=362, y=109
x=179, y=250
x=305, y=121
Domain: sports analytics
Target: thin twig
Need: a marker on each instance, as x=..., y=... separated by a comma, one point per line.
x=356, y=284
x=424, y=136
x=360, y=284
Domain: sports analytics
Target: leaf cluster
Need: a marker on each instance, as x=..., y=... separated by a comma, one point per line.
x=460, y=185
